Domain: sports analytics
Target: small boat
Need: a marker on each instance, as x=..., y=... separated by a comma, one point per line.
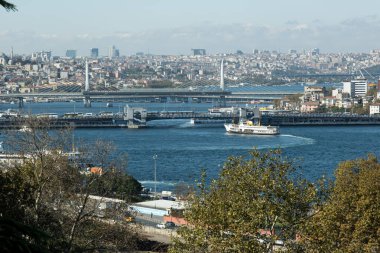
x=249, y=128
x=109, y=105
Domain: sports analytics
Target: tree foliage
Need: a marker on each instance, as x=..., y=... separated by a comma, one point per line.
x=50, y=191
x=7, y=5
x=361, y=109
x=252, y=204
x=349, y=221
x=117, y=184
x=18, y=237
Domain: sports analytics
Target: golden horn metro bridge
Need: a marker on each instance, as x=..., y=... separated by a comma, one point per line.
x=154, y=95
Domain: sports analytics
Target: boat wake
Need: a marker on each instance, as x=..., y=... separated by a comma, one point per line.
x=234, y=142
x=186, y=124
x=150, y=183
x=307, y=141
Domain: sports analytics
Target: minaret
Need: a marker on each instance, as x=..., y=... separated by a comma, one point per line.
x=222, y=75
x=12, y=54
x=87, y=84
x=87, y=99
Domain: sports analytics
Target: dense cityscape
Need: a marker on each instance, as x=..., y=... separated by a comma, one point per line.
x=42, y=70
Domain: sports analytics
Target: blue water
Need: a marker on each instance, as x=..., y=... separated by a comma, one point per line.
x=183, y=150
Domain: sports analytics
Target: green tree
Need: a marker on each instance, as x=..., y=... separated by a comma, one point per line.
x=252, y=204
x=361, y=109
x=117, y=184
x=349, y=221
x=321, y=109
x=295, y=98
x=17, y=237
x=49, y=191
x=8, y=6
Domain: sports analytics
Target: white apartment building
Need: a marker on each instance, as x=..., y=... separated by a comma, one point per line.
x=348, y=88
x=309, y=107
x=374, y=109
x=357, y=87
x=313, y=93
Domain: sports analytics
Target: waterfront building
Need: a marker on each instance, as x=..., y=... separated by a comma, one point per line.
x=348, y=88
x=313, y=93
x=374, y=109
x=94, y=52
x=357, y=87
x=309, y=106
x=338, y=94
x=71, y=53
x=329, y=101
x=360, y=86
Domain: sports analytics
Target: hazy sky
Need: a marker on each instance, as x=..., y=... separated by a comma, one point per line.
x=176, y=26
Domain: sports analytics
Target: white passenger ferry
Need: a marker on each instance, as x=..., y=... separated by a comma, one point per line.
x=249, y=128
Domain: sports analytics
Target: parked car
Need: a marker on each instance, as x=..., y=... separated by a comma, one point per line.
x=129, y=218
x=167, y=224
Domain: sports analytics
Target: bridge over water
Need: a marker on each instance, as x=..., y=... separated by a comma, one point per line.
x=138, y=117
x=155, y=95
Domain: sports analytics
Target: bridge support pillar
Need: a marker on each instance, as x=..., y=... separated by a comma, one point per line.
x=136, y=117
x=87, y=102
x=20, y=102
x=222, y=101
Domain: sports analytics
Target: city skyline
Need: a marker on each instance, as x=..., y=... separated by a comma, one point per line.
x=172, y=27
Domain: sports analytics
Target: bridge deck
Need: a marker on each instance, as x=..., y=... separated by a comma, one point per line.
x=120, y=121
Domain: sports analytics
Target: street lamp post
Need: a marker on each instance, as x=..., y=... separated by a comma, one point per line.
x=155, y=174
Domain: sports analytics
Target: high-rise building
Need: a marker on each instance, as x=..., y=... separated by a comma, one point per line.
x=199, y=51
x=94, y=52
x=71, y=53
x=43, y=56
x=360, y=86
x=315, y=51
x=113, y=52
x=117, y=53
x=357, y=87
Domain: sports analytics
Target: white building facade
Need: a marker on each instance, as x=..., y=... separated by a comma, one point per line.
x=357, y=87
x=374, y=109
